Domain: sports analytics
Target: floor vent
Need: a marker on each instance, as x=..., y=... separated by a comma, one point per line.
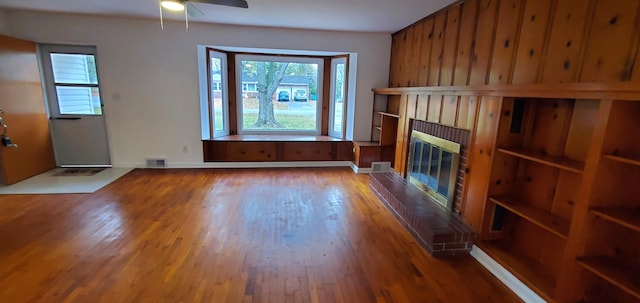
x=156, y=163
x=377, y=167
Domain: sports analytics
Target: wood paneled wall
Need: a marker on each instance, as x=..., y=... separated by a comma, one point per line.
x=506, y=42
x=520, y=42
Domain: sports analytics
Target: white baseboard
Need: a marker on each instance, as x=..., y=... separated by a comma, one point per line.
x=251, y=164
x=521, y=290
x=360, y=170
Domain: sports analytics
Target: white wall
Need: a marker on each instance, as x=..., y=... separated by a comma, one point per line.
x=149, y=77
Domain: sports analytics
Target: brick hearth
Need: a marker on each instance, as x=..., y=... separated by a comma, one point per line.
x=441, y=232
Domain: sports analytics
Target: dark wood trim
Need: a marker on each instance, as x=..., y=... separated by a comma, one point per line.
x=326, y=96
x=257, y=148
x=233, y=94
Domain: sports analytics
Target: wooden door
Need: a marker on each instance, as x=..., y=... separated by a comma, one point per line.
x=22, y=101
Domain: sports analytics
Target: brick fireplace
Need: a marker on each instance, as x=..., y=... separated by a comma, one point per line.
x=438, y=229
x=457, y=135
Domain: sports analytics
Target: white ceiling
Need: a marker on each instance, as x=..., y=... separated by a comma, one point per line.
x=385, y=16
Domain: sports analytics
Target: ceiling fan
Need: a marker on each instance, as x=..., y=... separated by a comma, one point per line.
x=191, y=10
x=179, y=5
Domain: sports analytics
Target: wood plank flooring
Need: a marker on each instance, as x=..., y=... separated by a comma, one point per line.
x=277, y=235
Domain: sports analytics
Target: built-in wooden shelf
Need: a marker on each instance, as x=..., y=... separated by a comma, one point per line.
x=539, y=217
x=627, y=217
x=554, y=161
x=527, y=269
x=623, y=159
x=613, y=271
x=389, y=114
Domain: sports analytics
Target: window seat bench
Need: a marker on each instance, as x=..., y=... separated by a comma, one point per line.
x=264, y=148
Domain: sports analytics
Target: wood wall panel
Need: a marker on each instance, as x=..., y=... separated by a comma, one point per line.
x=450, y=45
x=394, y=68
x=613, y=29
x=466, y=112
x=465, y=42
x=405, y=79
x=416, y=50
x=412, y=101
x=449, y=110
x=422, y=107
x=531, y=43
x=437, y=48
x=401, y=147
x=506, y=41
x=434, y=108
x=635, y=72
x=566, y=41
x=480, y=59
x=425, y=54
x=520, y=42
x=400, y=60
x=480, y=154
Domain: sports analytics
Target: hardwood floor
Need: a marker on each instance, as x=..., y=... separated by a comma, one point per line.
x=277, y=235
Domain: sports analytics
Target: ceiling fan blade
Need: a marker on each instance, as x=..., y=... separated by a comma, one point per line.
x=193, y=10
x=234, y=3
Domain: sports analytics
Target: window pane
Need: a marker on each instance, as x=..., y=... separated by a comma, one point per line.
x=216, y=78
x=79, y=100
x=424, y=159
x=339, y=97
x=415, y=168
x=445, y=173
x=74, y=69
x=433, y=171
x=269, y=107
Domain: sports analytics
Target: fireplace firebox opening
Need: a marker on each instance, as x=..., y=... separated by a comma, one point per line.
x=433, y=167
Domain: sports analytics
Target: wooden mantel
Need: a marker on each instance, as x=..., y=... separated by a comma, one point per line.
x=617, y=91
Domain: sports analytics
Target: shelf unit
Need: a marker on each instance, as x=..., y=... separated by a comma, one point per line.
x=541, y=149
x=543, y=219
x=388, y=128
x=384, y=120
x=613, y=271
x=611, y=252
x=627, y=217
x=384, y=130
x=554, y=161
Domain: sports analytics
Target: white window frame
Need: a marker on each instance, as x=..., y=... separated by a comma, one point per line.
x=332, y=98
x=307, y=60
x=224, y=86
